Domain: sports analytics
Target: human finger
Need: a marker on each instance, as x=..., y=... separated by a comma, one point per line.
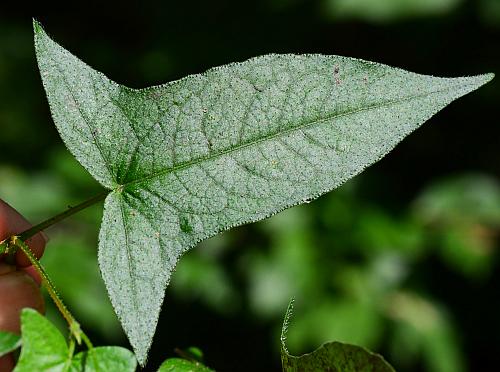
x=11, y=222
x=18, y=290
x=6, y=363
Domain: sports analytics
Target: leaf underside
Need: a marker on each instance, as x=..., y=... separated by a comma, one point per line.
x=188, y=159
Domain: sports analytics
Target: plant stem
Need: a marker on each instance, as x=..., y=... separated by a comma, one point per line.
x=61, y=216
x=74, y=326
x=18, y=241
x=87, y=341
x=71, y=349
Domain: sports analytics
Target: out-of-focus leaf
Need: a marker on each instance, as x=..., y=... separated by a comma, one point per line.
x=464, y=215
x=367, y=284
x=387, y=10
x=194, y=353
x=8, y=342
x=288, y=268
x=471, y=198
x=468, y=249
x=413, y=309
x=182, y=365
x=332, y=356
x=378, y=233
x=405, y=345
x=427, y=331
x=441, y=350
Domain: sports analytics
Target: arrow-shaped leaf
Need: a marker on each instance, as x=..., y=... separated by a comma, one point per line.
x=188, y=159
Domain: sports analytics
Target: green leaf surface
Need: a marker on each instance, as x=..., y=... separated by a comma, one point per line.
x=336, y=357
x=381, y=11
x=182, y=365
x=45, y=349
x=188, y=159
x=103, y=359
x=332, y=356
x=8, y=342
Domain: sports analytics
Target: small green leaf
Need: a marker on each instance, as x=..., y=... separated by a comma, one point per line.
x=44, y=349
x=182, y=365
x=332, y=356
x=105, y=358
x=186, y=160
x=43, y=346
x=195, y=353
x=8, y=342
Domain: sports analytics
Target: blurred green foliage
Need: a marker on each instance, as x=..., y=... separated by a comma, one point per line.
x=490, y=11
x=348, y=264
x=403, y=259
x=388, y=10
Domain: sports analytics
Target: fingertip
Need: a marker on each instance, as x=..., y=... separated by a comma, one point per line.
x=6, y=363
x=31, y=271
x=6, y=269
x=11, y=222
x=4, y=219
x=37, y=246
x=18, y=291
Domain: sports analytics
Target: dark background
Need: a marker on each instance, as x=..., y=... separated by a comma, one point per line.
x=435, y=195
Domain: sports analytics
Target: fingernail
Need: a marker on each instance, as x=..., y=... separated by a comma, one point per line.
x=6, y=268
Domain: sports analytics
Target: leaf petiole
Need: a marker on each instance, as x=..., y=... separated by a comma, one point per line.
x=61, y=216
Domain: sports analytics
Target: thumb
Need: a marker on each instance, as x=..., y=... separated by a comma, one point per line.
x=18, y=290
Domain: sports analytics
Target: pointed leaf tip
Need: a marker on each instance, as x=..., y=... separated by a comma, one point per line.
x=483, y=79
x=37, y=26
x=489, y=77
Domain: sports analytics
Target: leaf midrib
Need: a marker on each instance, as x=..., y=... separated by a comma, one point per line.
x=277, y=134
